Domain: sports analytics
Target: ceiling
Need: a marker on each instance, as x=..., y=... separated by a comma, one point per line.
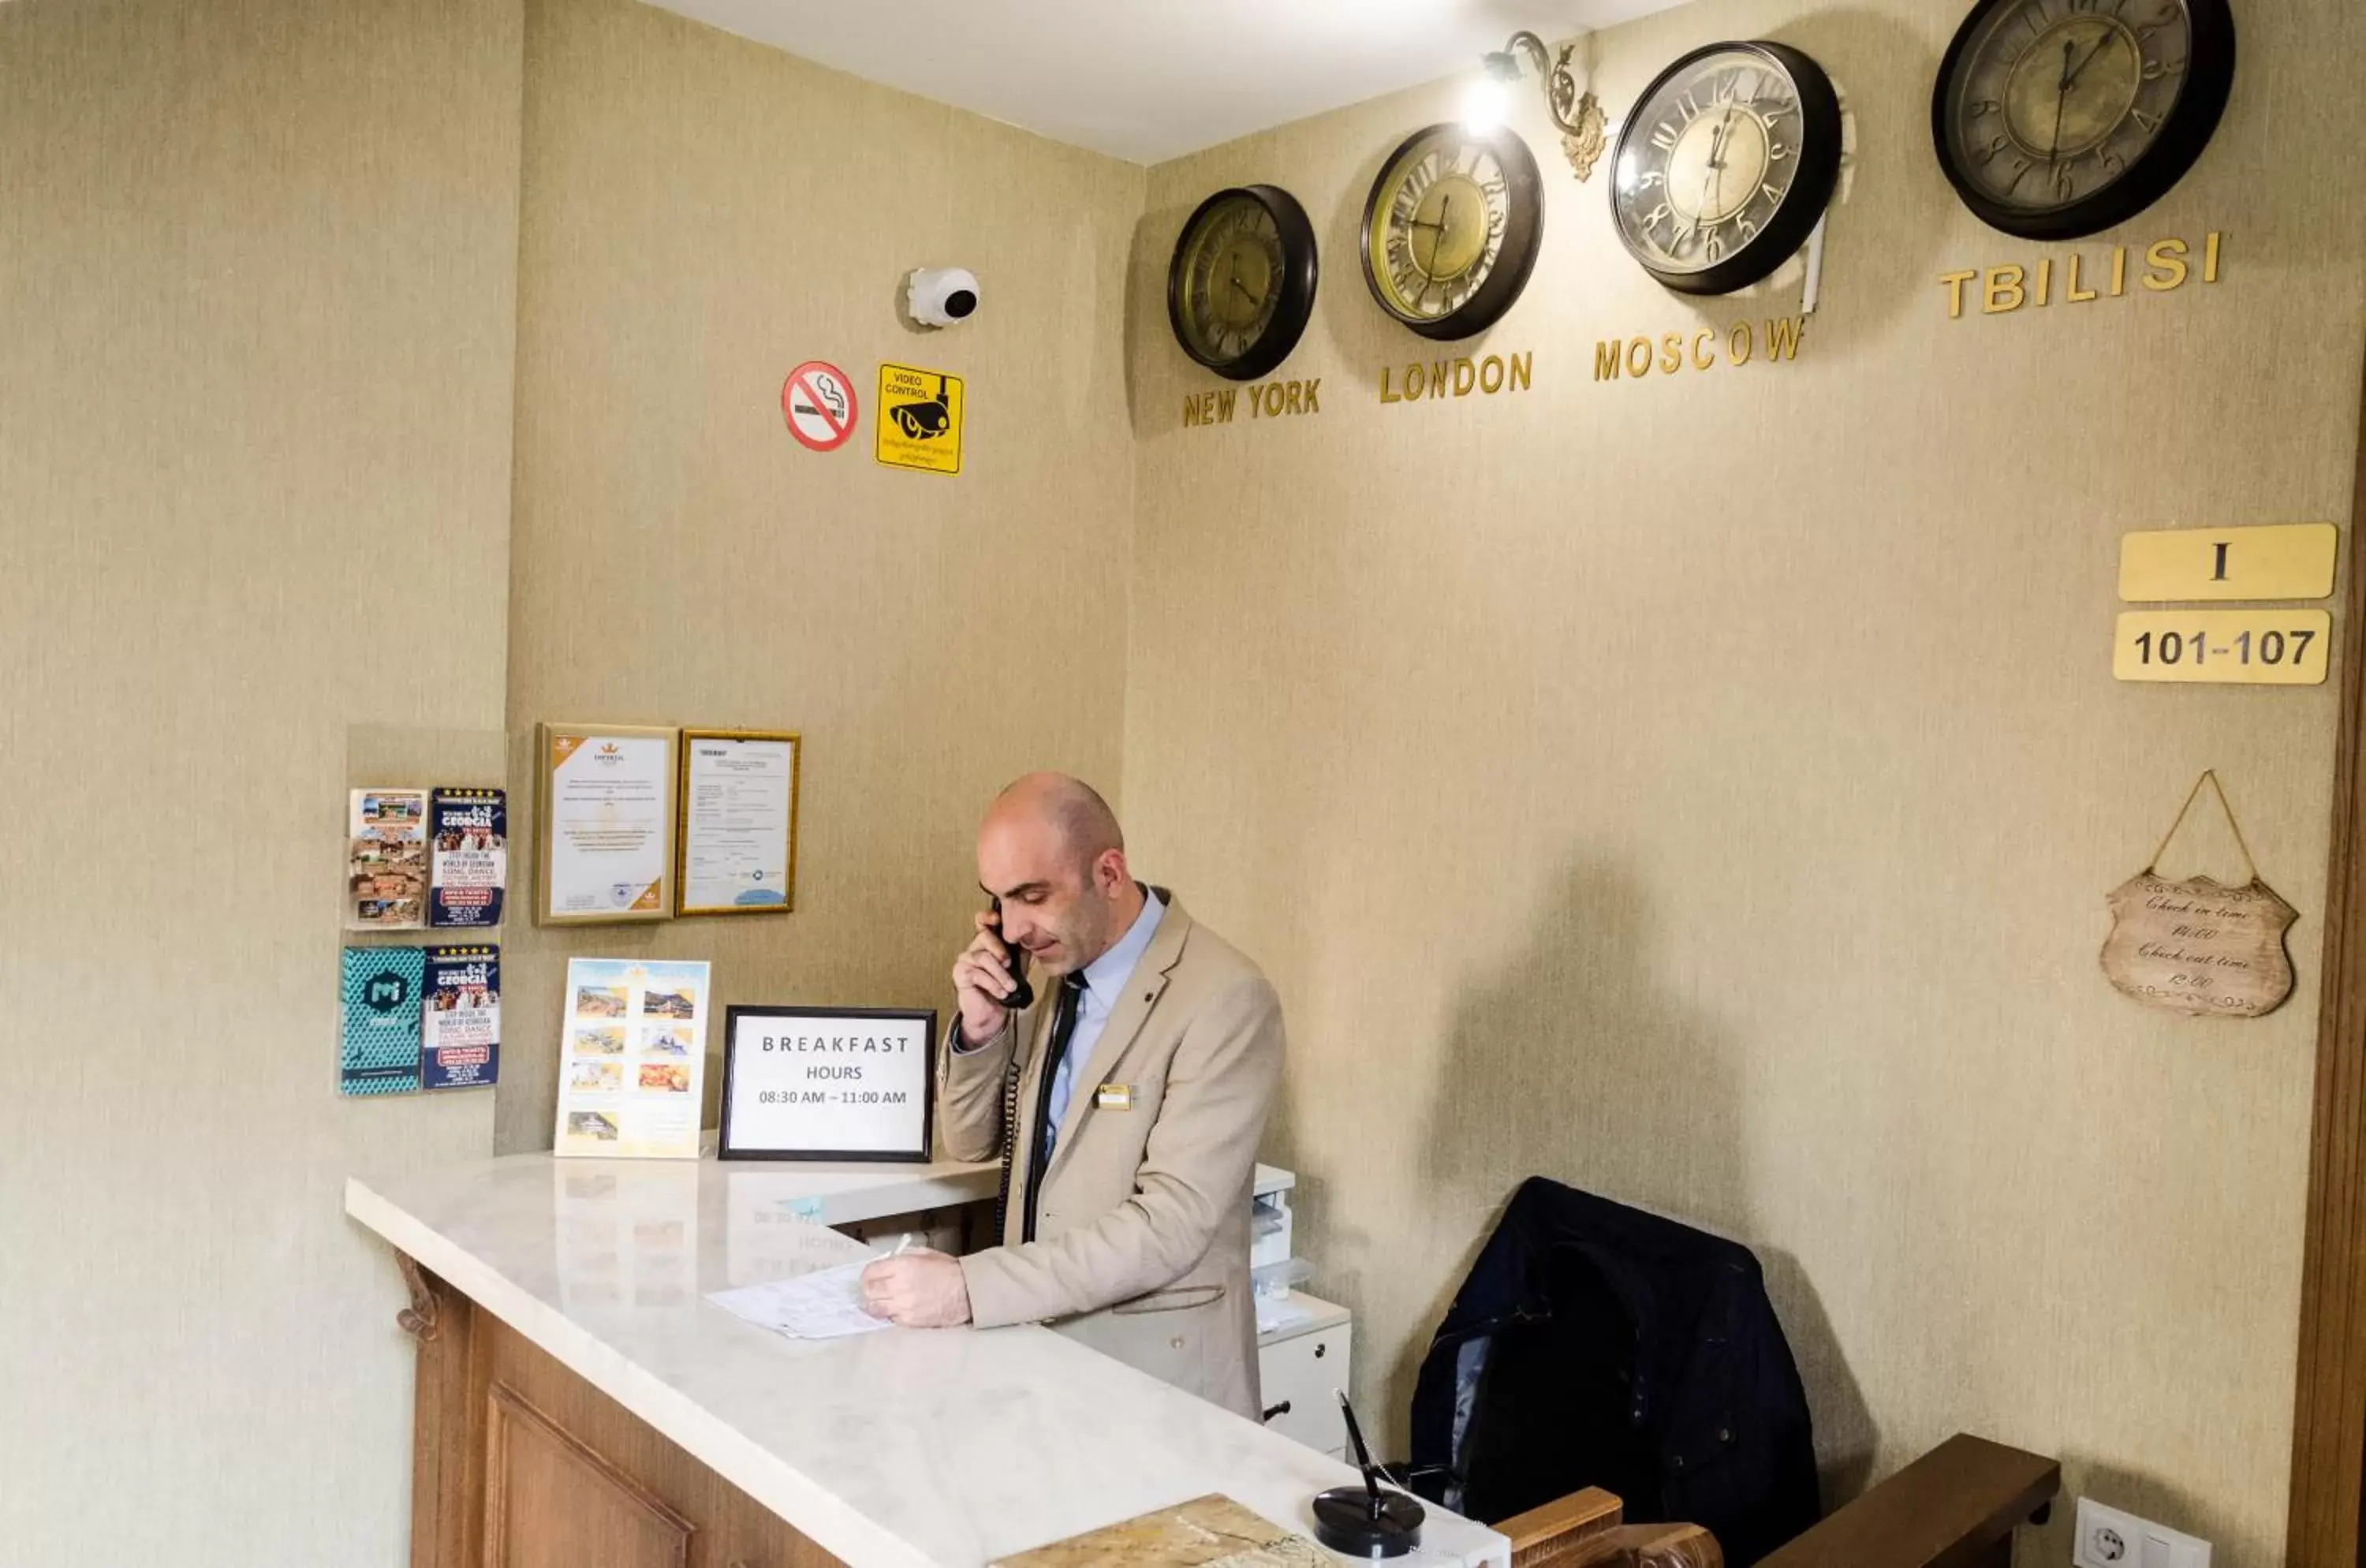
x=1148, y=80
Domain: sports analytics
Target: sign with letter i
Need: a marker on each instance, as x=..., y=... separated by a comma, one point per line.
x=2273, y=562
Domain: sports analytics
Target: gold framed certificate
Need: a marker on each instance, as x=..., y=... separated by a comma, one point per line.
x=736, y=833
x=603, y=822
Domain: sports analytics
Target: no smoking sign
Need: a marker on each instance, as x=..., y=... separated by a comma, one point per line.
x=818, y=402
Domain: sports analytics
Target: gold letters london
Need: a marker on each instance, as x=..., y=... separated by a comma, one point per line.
x=1459, y=378
x=2082, y=277
x=2197, y=946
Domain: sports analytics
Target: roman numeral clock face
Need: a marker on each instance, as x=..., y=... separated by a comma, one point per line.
x=1241, y=285
x=1444, y=229
x=1452, y=228
x=2054, y=118
x=1726, y=164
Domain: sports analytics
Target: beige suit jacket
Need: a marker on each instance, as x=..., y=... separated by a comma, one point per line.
x=1142, y=1237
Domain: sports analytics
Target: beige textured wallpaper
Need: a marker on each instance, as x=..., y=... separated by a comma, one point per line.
x=1703, y=790
x=701, y=215
x=256, y=314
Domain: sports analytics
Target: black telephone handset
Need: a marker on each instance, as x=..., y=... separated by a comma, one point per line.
x=1023, y=993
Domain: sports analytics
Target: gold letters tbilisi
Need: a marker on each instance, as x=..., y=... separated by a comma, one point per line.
x=2162, y=267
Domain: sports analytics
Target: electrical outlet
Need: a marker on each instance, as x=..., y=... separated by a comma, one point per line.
x=2108, y=1538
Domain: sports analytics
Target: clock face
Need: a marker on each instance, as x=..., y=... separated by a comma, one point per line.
x=2054, y=118
x=1726, y=164
x=1241, y=285
x=1451, y=229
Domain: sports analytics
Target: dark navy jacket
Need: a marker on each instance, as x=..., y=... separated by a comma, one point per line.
x=1594, y=1345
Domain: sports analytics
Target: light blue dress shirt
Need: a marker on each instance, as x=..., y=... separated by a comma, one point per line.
x=1105, y=982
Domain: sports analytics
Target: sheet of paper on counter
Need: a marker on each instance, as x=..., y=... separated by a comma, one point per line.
x=823, y=1305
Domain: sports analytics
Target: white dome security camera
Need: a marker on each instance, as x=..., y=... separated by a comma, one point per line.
x=942, y=296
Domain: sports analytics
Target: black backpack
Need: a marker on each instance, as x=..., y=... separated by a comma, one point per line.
x=1594, y=1345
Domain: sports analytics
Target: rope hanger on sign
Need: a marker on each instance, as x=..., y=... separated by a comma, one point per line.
x=2209, y=777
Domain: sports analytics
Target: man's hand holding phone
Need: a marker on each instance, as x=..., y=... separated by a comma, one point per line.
x=984, y=977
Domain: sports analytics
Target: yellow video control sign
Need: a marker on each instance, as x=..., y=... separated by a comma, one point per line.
x=2283, y=561
x=919, y=418
x=2242, y=647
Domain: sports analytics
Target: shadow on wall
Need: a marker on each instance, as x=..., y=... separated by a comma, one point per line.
x=1890, y=210
x=1845, y=1437
x=2147, y=1496
x=1574, y=1060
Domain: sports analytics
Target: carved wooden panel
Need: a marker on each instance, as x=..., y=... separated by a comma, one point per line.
x=733, y=1530
x=517, y=1462
x=551, y=1502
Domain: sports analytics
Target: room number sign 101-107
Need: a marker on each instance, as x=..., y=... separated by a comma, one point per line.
x=2254, y=648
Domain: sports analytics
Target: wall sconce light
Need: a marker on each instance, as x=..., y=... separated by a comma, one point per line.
x=1577, y=116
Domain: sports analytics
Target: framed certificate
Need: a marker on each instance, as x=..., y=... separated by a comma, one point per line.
x=603, y=822
x=827, y=1083
x=736, y=834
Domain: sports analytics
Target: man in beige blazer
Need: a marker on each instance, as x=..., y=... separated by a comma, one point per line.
x=1138, y=1085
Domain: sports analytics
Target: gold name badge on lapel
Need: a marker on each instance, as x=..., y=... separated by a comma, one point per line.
x=1114, y=1097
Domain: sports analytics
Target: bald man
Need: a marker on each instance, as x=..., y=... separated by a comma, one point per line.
x=1125, y=1103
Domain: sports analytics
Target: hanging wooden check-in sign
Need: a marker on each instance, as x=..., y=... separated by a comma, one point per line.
x=2198, y=946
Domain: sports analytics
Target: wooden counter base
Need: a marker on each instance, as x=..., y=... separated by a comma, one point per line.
x=517, y=1462
x=577, y=1382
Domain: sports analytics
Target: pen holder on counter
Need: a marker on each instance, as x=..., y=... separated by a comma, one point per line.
x=1366, y=1521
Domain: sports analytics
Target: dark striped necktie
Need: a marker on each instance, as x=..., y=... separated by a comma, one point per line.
x=1065, y=1013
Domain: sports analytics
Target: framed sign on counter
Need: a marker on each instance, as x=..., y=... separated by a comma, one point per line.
x=736, y=839
x=632, y=1055
x=603, y=822
x=827, y=1083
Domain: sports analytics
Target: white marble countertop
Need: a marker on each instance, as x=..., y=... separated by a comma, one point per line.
x=894, y=1449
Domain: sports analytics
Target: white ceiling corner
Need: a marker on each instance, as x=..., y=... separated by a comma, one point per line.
x=1149, y=80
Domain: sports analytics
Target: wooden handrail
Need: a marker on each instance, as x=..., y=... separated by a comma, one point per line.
x=1583, y=1530
x=1552, y=1533
x=1954, y=1508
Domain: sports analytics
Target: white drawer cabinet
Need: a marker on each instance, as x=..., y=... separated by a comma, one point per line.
x=1300, y=1364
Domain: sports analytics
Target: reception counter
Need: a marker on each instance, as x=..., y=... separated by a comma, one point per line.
x=579, y=1394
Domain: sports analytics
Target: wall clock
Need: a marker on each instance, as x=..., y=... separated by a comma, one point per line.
x=1725, y=165
x=2054, y=118
x=1241, y=285
x=1451, y=229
